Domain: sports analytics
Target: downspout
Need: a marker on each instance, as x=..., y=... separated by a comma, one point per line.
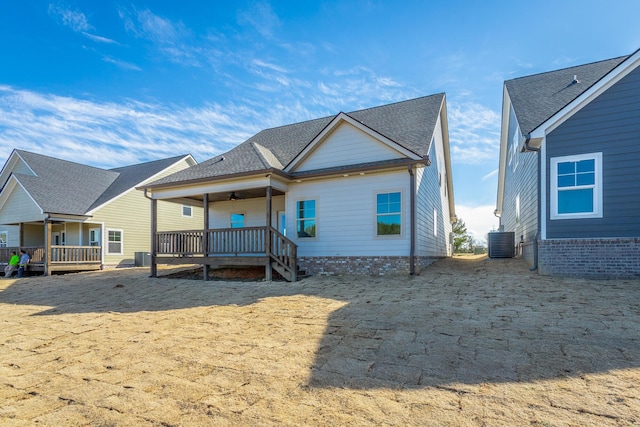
x=528, y=147
x=412, y=198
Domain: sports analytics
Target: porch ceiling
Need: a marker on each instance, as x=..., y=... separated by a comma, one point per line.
x=253, y=193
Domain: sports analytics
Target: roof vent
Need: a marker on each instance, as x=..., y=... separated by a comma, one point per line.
x=575, y=79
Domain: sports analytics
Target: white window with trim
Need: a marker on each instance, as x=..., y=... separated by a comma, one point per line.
x=389, y=214
x=187, y=211
x=114, y=242
x=576, y=186
x=4, y=238
x=306, y=218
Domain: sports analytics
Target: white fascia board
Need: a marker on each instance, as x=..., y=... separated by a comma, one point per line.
x=614, y=76
x=150, y=179
x=444, y=124
x=337, y=121
x=9, y=166
x=504, y=139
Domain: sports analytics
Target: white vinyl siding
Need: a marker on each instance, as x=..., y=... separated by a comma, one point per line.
x=346, y=215
x=254, y=212
x=19, y=207
x=347, y=145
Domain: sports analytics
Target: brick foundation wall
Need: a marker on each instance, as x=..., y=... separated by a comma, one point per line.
x=369, y=266
x=595, y=258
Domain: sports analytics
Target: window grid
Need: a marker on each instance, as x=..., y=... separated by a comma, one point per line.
x=389, y=213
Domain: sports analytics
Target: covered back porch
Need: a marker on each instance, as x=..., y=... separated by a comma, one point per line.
x=57, y=246
x=236, y=245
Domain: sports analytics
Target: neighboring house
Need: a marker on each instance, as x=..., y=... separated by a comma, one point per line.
x=569, y=182
x=366, y=192
x=70, y=216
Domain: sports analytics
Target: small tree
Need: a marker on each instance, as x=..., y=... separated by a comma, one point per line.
x=462, y=240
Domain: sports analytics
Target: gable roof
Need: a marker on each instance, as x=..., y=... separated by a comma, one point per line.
x=410, y=124
x=538, y=97
x=64, y=187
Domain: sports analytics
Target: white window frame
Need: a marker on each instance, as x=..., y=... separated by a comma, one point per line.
x=190, y=211
x=315, y=218
x=435, y=222
x=375, y=214
x=97, y=234
x=597, y=186
x=107, y=241
x=5, y=243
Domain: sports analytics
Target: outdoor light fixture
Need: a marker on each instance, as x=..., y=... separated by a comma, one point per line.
x=233, y=196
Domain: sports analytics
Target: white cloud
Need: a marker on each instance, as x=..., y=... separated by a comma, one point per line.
x=474, y=133
x=99, y=39
x=75, y=20
x=261, y=17
x=115, y=134
x=171, y=39
x=479, y=220
x=122, y=64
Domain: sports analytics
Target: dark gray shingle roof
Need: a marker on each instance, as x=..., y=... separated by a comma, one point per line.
x=65, y=187
x=537, y=97
x=130, y=176
x=408, y=123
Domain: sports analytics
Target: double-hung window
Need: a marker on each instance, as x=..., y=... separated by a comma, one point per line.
x=114, y=242
x=306, y=218
x=389, y=213
x=576, y=186
x=4, y=236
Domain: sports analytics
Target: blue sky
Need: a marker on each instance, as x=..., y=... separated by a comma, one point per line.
x=116, y=83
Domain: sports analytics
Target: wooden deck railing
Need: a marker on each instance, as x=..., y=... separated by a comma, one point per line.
x=59, y=254
x=230, y=242
x=76, y=254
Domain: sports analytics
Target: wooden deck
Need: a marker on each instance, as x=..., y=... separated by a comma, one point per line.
x=229, y=247
x=61, y=258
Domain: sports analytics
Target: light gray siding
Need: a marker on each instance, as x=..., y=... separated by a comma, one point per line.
x=609, y=124
x=431, y=198
x=521, y=178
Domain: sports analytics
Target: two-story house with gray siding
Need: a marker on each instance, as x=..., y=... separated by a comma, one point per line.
x=569, y=182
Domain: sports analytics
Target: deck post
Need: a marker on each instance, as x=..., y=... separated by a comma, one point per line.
x=267, y=243
x=47, y=246
x=154, y=230
x=205, y=236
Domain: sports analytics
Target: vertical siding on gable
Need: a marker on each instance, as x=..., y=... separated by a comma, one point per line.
x=347, y=145
x=521, y=183
x=609, y=124
x=346, y=215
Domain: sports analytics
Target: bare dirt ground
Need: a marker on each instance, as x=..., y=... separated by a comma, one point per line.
x=470, y=342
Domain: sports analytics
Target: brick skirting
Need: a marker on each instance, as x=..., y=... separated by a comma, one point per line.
x=363, y=265
x=595, y=258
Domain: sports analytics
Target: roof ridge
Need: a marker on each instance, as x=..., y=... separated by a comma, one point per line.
x=568, y=68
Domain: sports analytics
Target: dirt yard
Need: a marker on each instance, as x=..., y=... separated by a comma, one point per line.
x=470, y=342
